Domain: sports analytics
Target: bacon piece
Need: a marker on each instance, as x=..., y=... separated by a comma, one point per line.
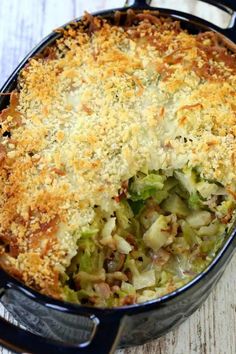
x=14, y=249
x=50, y=226
x=129, y=300
x=191, y=106
x=152, y=19
x=49, y=53
x=231, y=192
x=103, y=290
x=162, y=112
x=11, y=109
x=9, y=268
x=58, y=171
x=87, y=109
x=45, y=232
x=92, y=22
x=51, y=287
x=115, y=262
x=3, y=153
x=123, y=191
x=132, y=241
x=129, y=18
x=139, y=84
x=161, y=257
x=117, y=17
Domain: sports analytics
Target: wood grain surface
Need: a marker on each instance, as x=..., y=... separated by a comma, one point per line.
x=210, y=330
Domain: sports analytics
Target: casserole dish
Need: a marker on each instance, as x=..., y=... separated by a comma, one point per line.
x=128, y=311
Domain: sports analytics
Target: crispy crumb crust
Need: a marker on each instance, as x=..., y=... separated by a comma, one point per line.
x=99, y=105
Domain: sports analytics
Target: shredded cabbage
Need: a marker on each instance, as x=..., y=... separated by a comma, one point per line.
x=143, y=187
x=163, y=231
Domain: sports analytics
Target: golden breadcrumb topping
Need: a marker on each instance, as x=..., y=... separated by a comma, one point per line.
x=104, y=102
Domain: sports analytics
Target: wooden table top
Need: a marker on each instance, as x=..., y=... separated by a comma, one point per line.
x=211, y=329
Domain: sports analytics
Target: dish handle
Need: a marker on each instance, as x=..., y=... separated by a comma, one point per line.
x=104, y=339
x=228, y=6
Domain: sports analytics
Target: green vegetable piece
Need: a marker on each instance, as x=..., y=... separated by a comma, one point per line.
x=169, y=184
x=206, y=189
x=225, y=208
x=86, y=278
x=189, y=233
x=86, y=244
x=175, y=205
x=128, y=288
x=84, y=294
x=195, y=201
x=199, y=218
x=136, y=206
x=136, y=228
x=148, y=217
x=187, y=179
x=122, y=245
x=89, y=232
x=144, y=279
x=165, y=277
x=159, y=234
x=132, y=266
x=108, y=227
x=64, y=277
x=214, y=229
x=123, y=214
x=147, y=295
x=180, y=245
x=91, y=261
x=86, y=263
x=160, y=196
x=70, y=295
x=144, y=187
x=211, y=245
x=208, y=246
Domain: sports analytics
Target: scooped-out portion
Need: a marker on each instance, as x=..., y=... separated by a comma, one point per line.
x=165, y=230
x=118, y=160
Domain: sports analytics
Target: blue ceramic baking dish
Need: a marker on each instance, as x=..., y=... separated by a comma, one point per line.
x=56, y=327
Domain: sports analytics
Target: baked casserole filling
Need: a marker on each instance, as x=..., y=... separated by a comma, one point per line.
x=118, y=161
